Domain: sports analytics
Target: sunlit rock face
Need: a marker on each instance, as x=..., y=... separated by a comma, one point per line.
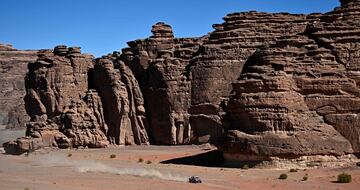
x=160, y=65
x=76, y=101
x=220, y=61
x=300, y=95
x=260, y=85
x=123, y=103
x=64, y=112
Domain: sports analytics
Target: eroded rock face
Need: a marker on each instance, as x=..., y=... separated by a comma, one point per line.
x=221, y=59
x=22, y=145
x=300, y=96
x=13, y=67
x=64, y=112
x=123, y=103
x=160, y=65
x=260, y=86
x=270, y=112
x=351, y=2
x=76, y=101
x=339, y=32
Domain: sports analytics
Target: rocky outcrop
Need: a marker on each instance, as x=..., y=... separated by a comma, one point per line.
x=123, y=103
x=260, y=86
x=22, y=145
x=339, y=32
x=300, y=96
x=64, y=112
x=221, y=59
x=13, y=67
x=76, y=101
x=269, y=112
x=160, y=65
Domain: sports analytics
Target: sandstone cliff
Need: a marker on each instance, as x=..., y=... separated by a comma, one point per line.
x=221, y=59
x=13, y=66
x=300, y=95
x=123, y=103
x=160, y=65
x=66, y=110
x=260, y=85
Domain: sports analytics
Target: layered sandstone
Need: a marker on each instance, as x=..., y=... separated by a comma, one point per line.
x=160, y=65
x=64, y=112
x=270, y=111
x=221, y=59
x=261, y=85
x=13, y=67
x=123, y=103
x=301, y=95
x=76, y=101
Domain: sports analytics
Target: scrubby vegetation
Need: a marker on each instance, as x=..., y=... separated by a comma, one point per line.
x=113, y=156
x=141, y=160
x=283, y=176
x=344, y=178
x=306, y=177
x=292, y=170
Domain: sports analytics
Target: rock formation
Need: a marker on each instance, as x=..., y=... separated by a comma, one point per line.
x=261, y=85
x=160, y=65
x=76, y=101
x=63, y=112
x=123, y=103
x=301, y=95
x=13, y=66
x=220, y=61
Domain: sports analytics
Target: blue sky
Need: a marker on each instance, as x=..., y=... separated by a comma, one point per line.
x=102, y=26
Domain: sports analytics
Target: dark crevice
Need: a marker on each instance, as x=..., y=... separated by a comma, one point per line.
x=91, y=84
x=309, y=32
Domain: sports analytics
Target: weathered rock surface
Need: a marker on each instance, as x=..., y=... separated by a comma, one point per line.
x=13, y=67
x=63, y=111
x=123, y=103
x=160, y=65
x=76, y=101
x=339, y=32
x=221, y=59
x=270, y=109
x=261, y=85
x=22, y=145
x=301, y=95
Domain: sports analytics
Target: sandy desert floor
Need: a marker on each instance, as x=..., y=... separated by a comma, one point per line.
x=90, y=169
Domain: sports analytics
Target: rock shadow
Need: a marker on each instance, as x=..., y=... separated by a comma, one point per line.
x=213, y=158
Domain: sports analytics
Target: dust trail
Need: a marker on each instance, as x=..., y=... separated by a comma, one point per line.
x=95, y=166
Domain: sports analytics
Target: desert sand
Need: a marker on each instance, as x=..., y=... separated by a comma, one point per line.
x=140, y=167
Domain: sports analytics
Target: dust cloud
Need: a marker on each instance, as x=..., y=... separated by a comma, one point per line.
x=96, y=166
